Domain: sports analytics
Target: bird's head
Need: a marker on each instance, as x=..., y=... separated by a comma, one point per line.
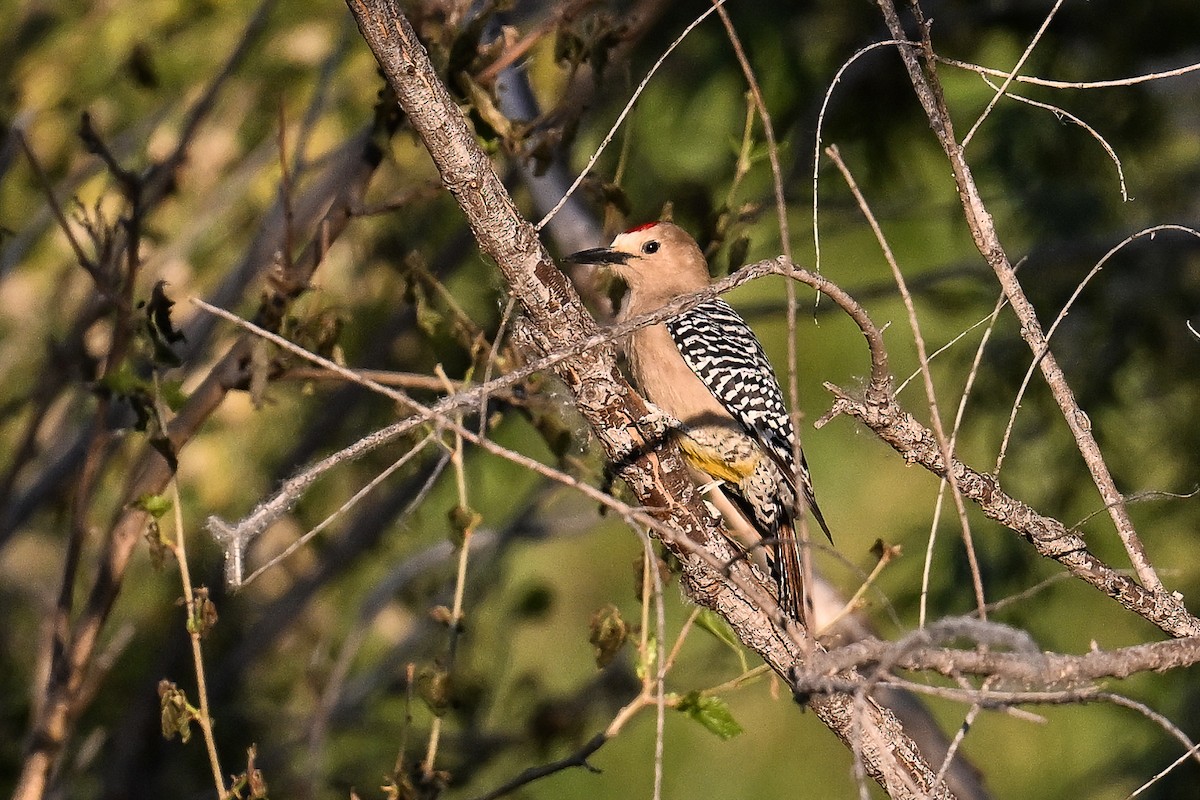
x=658, y=257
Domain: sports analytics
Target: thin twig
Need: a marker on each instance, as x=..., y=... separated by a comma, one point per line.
x=637, y=92
x=1191, y=752
x=285, y=190
x=354, y=500
x=577, y=759
x=921, y=71
x=460, y=580
x=194, y=623
x=959, y=736
x=851, y=605
x=194, y=633
x=1054, y=84
x=989, y=320
x=1173, y=730
x=55, y=208
x=652, y=581
x=817, y=137
x=1008, y=79
x=1062, y=315
x=1062, y=113
x=935, y=415
x=401, y=380
x=927, y=567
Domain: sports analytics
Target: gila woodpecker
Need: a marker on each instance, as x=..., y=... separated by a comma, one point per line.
x=707, y=371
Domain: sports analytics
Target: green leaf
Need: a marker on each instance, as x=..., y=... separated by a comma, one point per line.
x=172, y=394
x=716, y=625
x=124, y=381
x=156, y=505
x=648, y=665
x=711, y=712
x=463, y=520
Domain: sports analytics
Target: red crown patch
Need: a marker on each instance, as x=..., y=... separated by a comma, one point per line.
x=642, y=227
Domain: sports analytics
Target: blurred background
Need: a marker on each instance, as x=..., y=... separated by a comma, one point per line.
x=229, y=139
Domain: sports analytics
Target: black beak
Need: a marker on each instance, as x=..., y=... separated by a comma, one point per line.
x=604, y=256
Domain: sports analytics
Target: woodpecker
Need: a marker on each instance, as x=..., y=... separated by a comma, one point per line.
x=706, y=370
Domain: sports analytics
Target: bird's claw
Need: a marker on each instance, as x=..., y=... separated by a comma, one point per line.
x=657, y=422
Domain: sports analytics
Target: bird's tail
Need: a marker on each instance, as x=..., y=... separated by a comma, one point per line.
x=787, y=572
x=810, y=505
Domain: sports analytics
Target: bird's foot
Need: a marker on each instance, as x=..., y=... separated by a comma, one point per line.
x=657, y=422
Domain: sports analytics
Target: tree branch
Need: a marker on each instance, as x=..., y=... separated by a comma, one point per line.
x=922, y=72
x=1028, y=668
x=73, y=662
x=879, y=411
x=655, y=474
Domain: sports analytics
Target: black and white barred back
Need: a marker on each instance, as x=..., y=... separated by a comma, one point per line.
x=718, y=345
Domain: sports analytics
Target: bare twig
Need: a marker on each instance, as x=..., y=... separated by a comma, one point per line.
x=1165, y=771
x=342, y=509
x=194, y=622
x=577, y=759
x=1093, y=272
x=921, y=71
x=1000, y=92
x=1032, y=669
x=637, y=92
x=1062, y=113
x=1171, y=728
x=52, y=201
x=466, y=527
x=817, y=141
x=652, y=589
x=958, y=418
x=151, y=474
x=1053, y=84
x=959, y=736
x=946, y=443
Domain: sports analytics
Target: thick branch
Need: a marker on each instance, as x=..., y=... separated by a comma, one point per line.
x=656, y=475
x=1050, y=538
x=1045, y=671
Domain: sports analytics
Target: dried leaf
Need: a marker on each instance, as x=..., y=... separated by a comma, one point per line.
x=177, y=713
x=608, y=634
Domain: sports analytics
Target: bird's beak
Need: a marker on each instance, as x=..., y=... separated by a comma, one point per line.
x=599, y=256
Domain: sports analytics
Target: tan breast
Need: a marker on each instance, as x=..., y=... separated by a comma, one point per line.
x=667, y=381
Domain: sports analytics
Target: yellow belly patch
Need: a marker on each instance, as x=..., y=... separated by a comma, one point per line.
x=713, y=462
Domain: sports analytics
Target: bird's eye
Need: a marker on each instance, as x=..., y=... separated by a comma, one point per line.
x=650, y=248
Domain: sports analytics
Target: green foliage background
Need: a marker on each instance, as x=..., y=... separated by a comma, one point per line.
x=526, y=688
